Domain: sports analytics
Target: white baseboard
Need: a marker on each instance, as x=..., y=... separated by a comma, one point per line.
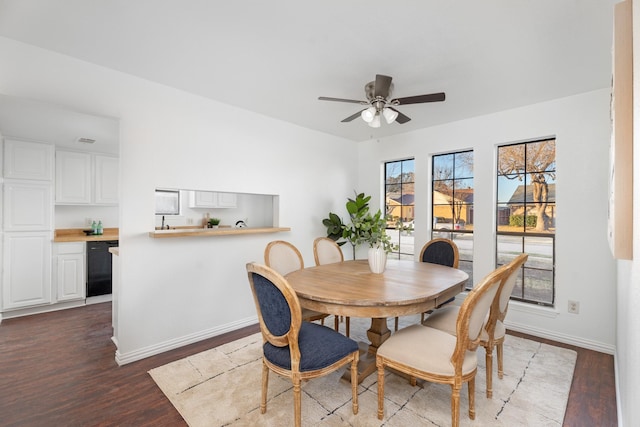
x=142, y=353
x=567, y=339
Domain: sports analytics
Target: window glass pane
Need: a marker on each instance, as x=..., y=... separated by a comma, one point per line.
x=167, y=202
x=464, y=164
x=442, y=167
x=507, y=186
x=511, y=159
x=541, y=156
x=538, y=286
x=408, y=170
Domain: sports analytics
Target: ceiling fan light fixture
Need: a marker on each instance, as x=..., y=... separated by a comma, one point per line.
x=368, y=114
x=375, y=123
x=389, y=115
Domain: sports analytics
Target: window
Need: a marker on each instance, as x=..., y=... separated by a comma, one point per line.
x=399, y=192
x=167, y=202
x=526, y=216
x=452, y=204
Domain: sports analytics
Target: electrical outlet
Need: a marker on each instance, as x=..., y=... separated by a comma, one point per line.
x=574, y=307
x=87, y=222
x=189, y=221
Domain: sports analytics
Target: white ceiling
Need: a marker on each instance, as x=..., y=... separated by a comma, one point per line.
x=276, y=57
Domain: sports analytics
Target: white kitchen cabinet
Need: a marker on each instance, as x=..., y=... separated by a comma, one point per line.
x=28, y=160
x=26, y=279
x=73, y=177
x=212, y=199
x=106, y=180
x=86, y=178
x=27, y=205
x=227, y=200
x=69, y=271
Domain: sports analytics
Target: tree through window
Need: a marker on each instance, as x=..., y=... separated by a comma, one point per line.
x=526, y=216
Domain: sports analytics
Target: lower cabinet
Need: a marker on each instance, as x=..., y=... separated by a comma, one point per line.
x=26, y=278
x=69, y=271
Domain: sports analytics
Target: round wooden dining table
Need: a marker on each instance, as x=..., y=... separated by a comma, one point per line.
x=349, y=288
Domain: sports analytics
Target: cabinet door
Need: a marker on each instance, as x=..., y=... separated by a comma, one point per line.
x=28, y=160
x=203, y=199
x=28, y=206
x=26, y=279
x=73, y=177
x=70, y=277
x=106, y=180
x=226, y=200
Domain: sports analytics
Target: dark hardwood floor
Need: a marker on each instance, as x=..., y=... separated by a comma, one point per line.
x=58, y=369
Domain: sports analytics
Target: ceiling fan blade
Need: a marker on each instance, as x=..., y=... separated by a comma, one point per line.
x=382, y=85
x=419, y=99
x=353, y=101
x=352, y=117
x=402, y=119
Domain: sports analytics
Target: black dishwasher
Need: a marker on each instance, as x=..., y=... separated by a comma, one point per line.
x=99, y=267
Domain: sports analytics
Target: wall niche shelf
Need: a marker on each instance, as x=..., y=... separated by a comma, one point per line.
x=210, y=232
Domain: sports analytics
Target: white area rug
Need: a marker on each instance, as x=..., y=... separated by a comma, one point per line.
x=221, y=387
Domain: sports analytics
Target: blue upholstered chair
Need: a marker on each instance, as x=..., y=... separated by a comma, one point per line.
x=284, y=258
x=293, y=348
x=439, y=251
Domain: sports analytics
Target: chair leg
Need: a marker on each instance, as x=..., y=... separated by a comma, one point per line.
x=488, y=349
x=347, y=326
x=297, y=404
x=471, y=385
x=380, y=366
x=455, y=406
x=396, y=325
x=499, y=351
x=354, y=383
x=336, y=323
x=265, y=386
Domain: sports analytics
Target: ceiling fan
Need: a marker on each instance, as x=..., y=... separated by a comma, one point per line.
x=378, y=93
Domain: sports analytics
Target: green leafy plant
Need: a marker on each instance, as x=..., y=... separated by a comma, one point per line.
x=364, y=228
x=214, y=221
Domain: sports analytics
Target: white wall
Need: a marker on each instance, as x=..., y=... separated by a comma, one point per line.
x=176, y=291
x=585, y=269
x=628, y=295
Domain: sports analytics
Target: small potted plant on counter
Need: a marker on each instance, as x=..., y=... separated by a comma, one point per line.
x=214, y=222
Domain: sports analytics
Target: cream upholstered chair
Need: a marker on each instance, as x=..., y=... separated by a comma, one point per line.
x=293, y=348
x=439, y=251
x=284, y=258
x=494, y=331
x=327, y=251
x=437, y=356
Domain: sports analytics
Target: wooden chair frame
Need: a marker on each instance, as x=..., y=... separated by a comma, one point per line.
x=498, y=312
x=307, y=315
x=290, y=338
x=317, y=256
x=464, y=343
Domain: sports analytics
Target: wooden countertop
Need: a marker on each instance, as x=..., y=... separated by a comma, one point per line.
x=77, y=235
x=222, y=231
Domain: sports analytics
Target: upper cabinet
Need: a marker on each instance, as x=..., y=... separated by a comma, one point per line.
x=28, y=160
x=211, y=199
x=86, y=179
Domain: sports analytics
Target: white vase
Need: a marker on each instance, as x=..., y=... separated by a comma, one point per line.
x=377, y=259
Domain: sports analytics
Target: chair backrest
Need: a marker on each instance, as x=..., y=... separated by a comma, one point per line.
x=440, y=251
x=500, y=304
x=326, y=251
x=277, y=305
x=283, y=257
x=473, y=312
